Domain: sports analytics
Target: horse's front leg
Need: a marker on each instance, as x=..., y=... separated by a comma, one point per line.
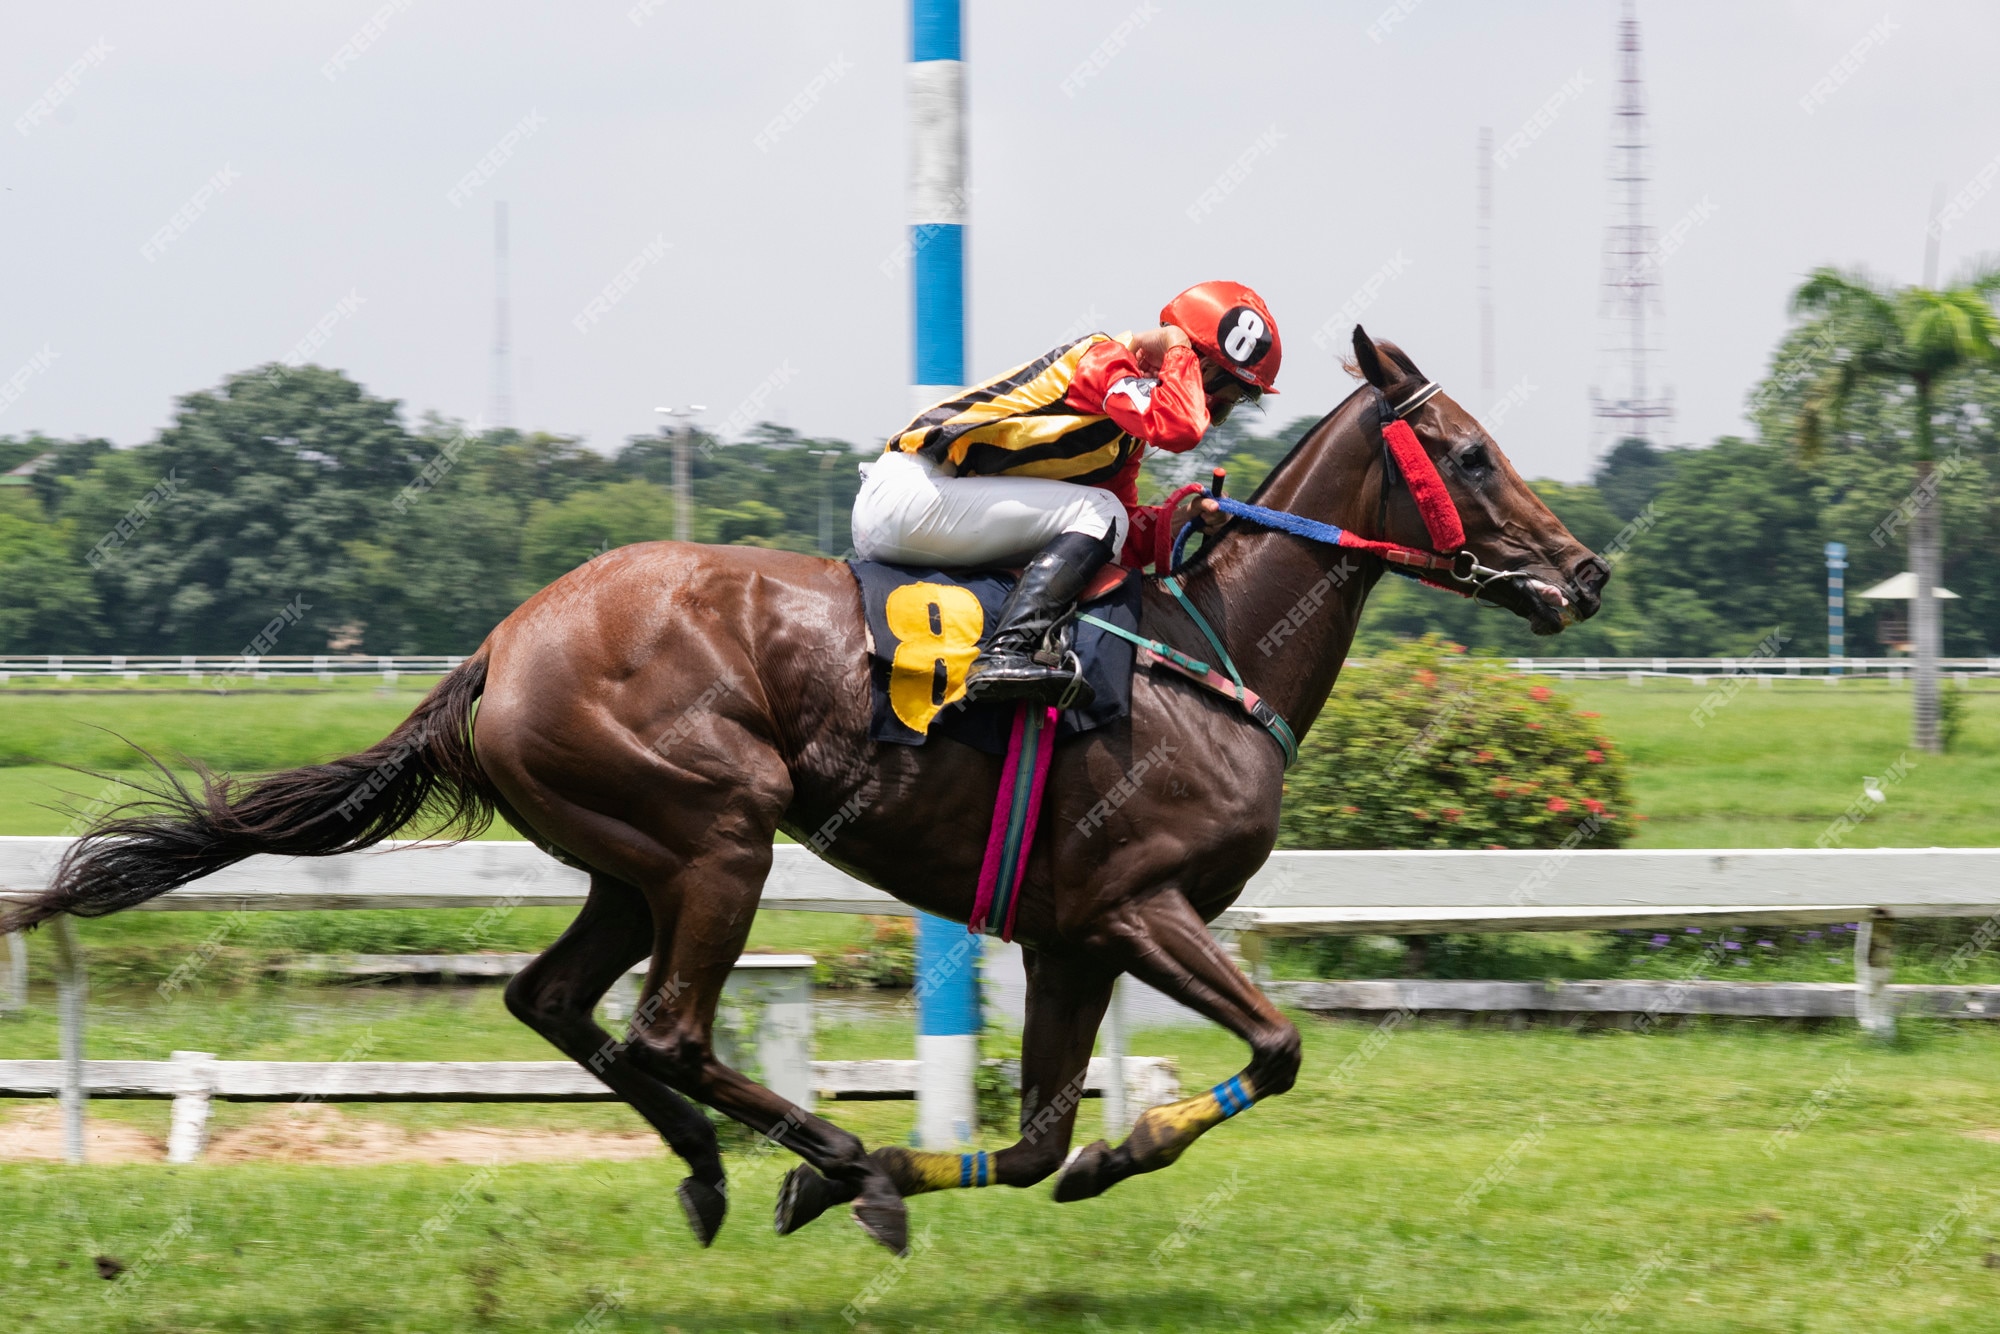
x=1066, y=1000
x=1171, y=949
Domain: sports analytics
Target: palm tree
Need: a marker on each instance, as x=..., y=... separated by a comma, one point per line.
x=1859, y=333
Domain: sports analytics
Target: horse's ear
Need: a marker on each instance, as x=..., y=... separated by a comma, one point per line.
x=1368, y=360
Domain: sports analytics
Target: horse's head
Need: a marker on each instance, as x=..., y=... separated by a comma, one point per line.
x=1519, y=554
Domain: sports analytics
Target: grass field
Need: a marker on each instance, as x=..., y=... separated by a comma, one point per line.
x=1613, y=1164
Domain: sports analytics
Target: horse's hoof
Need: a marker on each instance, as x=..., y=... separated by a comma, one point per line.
x=704, y=1206
x=804, y=1196
x=1083, y=1176
x=886, y=1220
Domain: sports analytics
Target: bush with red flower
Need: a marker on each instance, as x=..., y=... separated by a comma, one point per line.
x=1427, y=748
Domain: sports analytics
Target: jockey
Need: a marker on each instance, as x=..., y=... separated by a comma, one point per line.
x=1041, y=464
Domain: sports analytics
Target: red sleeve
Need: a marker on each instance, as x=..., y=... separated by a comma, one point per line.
x=1168, y=411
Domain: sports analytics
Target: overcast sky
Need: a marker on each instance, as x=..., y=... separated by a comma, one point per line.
x=194, y=189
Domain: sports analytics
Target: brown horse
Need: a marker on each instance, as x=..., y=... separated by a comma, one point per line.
x=657, y=715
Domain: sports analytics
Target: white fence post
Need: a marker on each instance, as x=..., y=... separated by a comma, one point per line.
x=71, y=985
x=1117, y=1119
x=15, y=995
x=194, y=1083
x=1874, y=962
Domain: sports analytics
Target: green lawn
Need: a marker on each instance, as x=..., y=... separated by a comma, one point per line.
x=1773, y=767
x=1638, y=1164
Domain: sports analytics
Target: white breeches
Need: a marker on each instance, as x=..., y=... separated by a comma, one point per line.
x=912, y=512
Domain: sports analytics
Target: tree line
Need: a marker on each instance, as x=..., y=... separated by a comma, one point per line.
x=292, y=493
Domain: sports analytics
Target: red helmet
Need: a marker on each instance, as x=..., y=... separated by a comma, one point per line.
x=1229, y=322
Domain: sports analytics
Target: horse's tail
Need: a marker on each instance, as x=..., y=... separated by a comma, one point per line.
x=424, y=770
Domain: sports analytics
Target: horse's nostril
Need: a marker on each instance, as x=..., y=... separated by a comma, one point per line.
x=1591, y=574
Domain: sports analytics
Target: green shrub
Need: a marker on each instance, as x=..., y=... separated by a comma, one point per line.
x=1426, y=748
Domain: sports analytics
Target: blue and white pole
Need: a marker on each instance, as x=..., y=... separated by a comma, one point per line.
x=1836, y=605
x=947, y=956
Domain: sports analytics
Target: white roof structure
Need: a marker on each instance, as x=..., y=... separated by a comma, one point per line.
x=1902, y=588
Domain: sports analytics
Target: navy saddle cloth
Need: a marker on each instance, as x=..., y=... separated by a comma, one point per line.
x=925, y=626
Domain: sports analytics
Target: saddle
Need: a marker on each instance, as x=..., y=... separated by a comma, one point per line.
x=925, y=626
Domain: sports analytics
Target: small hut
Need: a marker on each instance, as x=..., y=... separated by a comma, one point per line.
x=1892, y=620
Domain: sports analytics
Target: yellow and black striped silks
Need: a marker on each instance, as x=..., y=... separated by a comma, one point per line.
x=1017, y=424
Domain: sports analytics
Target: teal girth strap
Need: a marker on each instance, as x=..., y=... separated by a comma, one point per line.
x=1202, y=674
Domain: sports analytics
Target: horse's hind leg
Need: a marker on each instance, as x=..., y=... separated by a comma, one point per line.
x=1066, y=1000
x=557, y=996
x=1170, y=948
x=704, y=915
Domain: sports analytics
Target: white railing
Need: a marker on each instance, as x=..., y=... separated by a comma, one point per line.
x=1294, y=893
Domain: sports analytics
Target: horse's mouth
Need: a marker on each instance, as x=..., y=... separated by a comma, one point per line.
x=1547, y=608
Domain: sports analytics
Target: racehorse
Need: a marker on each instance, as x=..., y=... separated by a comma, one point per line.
x=655, y=716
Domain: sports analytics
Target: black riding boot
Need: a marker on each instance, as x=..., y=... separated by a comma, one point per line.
x=1020, y=660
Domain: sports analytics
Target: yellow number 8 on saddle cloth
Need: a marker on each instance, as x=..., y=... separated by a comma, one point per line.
x=925, y=626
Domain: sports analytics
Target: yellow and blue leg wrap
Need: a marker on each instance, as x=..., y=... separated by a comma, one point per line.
x=916, y=1172
x=1232, y=1096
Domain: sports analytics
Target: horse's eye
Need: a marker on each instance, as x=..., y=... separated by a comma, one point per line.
x=1474, y=458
